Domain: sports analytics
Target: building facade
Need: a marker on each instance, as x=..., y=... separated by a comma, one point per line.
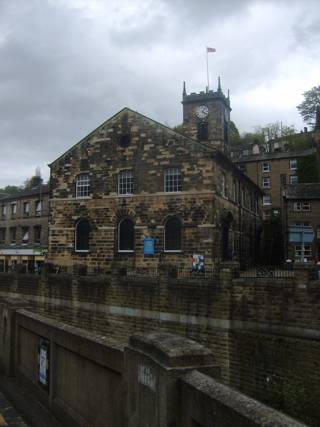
x=301, y=216
x=134, y=190
x=24, y=229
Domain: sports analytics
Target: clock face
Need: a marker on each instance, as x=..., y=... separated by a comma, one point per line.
x=202, y=111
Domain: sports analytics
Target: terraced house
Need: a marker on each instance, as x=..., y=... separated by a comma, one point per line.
x=136, y=190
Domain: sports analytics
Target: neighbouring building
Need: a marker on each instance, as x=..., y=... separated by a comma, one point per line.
x=301, y=216
x=271, y=171
x=136, y=190
x=24, y=229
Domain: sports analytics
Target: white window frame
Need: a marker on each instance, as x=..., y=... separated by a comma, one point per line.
x=26, y=234
x=38, y=208
x=265, y=167
x=172, y=180
x=125, y=182
x=301, y=206
x=82, y=186
x=296, y=179
x=264, y=203
x=266, y=182
x=26, y=208
x=293, y=164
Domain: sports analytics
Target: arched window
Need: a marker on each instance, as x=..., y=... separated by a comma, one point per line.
x=82, y=233
x=82, y=185
x=126, y=236
x=172, y=235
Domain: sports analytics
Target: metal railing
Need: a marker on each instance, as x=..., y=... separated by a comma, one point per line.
x=267, y=271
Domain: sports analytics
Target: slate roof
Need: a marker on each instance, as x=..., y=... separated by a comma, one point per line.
x=303, y=191
x=43, y=189
x=276, y=155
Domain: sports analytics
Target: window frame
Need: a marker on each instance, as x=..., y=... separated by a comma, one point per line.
x=123, y=251
x=263, y=200
x=37, y=241
x=266, y=182
x=265, y=167
x=303, y=251
x=25, y=231
x=172, y=218
x=172, y=177
x=291, y=162
x=301, y=206
x=296, y=179
x=125, y=181
x=83, y=186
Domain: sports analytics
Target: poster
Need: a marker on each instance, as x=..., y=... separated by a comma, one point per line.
x=198, y=262
x=148, y=246
x=43, y=363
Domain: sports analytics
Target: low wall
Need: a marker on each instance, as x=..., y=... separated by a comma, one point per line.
x=86, y=380
x=264, y=333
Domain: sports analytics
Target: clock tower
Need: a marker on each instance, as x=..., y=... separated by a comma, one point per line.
x=206, y=116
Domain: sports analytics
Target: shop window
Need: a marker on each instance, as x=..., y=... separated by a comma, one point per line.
x=172, y=180
x=172, y=235
x=82, y=234
x=83, y=185
x=126, y=236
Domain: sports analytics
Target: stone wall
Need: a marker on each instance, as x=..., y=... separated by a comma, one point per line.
x=265, y=333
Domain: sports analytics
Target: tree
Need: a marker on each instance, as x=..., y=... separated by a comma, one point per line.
x=308, y=108
x=10, y=190
x=34, y=181
x=234, y=134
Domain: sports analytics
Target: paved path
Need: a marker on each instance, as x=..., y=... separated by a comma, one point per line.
x=8, y=415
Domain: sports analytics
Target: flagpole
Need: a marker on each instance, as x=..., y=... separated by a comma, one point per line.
x=207, y=70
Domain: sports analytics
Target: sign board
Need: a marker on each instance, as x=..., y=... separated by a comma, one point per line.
x=197, y=262
x=148, y=246
x=300, y=234
x=43, y=363
x=146, y=377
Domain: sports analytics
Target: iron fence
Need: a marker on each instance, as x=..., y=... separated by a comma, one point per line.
x=267, y=271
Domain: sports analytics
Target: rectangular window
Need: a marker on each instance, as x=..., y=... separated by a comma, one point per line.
x=266, y=167
x=26, y=208
x=3, y=211
x=38, y=208
x=293, y=164
x=302, y=252
x=265, y=182
x=2, y=235
x=301, y=206
x=172, y=180
x=13, y=210
x=13, y=235
x=266, y=201
x=125, y=182
x=25, y=235
x=294, y=179
x=37, y=234
x=83, y=185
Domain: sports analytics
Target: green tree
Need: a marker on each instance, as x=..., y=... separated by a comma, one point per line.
x=308, y=107
x=10, y=190
x=234, y=134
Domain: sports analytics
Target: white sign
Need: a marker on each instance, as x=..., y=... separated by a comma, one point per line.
x=43, y=366
x=146, y=377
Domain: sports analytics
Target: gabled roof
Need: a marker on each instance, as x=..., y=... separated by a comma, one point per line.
x=154, y=122
x=303, y=191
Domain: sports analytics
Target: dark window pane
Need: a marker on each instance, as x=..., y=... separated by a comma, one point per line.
x=82, y=235
x=173, y=235
x=126, y=235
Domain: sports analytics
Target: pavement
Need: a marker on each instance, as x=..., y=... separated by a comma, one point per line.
x=9, y=415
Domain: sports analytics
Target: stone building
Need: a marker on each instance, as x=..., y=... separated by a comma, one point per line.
x=24, y=229
x=271, y=171
x=136, y=190
x=301, y=216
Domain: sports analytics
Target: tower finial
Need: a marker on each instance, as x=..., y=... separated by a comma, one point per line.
x=229, y=94
x=184, y=92
x=219, y=84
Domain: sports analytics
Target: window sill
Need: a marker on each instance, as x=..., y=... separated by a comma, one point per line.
x=125, y=252
x=174, y=251
x=81, y=252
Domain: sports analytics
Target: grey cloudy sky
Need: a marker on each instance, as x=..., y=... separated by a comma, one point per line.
x=67, y=65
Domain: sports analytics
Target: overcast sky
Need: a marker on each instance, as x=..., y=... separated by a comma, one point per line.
x=68, y=65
